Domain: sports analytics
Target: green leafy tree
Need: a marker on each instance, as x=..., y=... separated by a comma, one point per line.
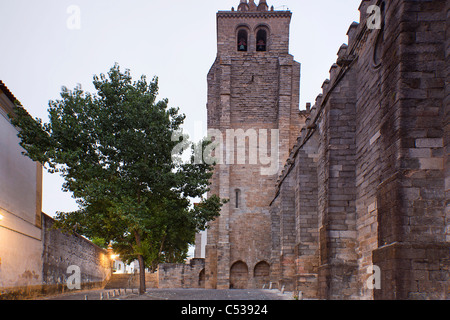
x=114, y=150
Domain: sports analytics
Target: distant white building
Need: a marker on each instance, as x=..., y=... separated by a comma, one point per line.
x=120, y=267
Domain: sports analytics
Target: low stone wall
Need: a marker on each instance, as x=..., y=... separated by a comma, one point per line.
x=190, y=275
x=59, y=252
x=62, y=250
x=131, y=281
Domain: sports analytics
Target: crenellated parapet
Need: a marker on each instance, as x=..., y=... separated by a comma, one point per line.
x=346, y=56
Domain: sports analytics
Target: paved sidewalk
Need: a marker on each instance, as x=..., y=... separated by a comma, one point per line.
x=174, y=294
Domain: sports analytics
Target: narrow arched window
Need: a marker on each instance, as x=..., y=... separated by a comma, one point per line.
x=261, y=40
x=238, y=198
x=242, y=40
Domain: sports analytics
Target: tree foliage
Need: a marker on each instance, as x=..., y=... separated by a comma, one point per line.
x=114, y=150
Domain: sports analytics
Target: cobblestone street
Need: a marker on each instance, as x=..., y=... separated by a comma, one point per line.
x=174, y=294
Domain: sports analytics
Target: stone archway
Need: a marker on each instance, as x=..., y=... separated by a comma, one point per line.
x=201, y=279
x=261, y=274
x=239, y=275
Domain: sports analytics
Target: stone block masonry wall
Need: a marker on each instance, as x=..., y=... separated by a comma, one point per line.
x=58, y=252
x=378, y=140
x=181, y=276
x=61, y=250
x=287, y=234
x=413, y=271
x=306, y=224
x=415, y=133
x=275, y=274
x=417, y=187
x=338, y=225
x=295, y=225
x=447, y=123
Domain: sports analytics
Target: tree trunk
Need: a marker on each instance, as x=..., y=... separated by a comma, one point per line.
x=142, y=287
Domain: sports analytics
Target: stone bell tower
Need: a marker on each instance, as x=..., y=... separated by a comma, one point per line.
x=253, y=101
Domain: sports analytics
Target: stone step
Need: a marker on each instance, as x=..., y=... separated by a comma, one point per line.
x=123, y=281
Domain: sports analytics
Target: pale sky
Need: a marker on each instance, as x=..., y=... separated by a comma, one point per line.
x=174, y=40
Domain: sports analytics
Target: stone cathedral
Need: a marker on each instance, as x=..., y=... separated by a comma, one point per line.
x=347, y=199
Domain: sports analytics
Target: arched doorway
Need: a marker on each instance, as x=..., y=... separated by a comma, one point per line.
x=239, y=276
x=201, y=279
x=262, y=274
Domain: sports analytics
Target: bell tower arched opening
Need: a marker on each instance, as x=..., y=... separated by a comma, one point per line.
x=242, y=40
x=261, y=40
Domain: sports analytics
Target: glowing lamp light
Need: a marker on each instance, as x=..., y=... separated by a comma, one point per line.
x=114, y=256
x=1, y=217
